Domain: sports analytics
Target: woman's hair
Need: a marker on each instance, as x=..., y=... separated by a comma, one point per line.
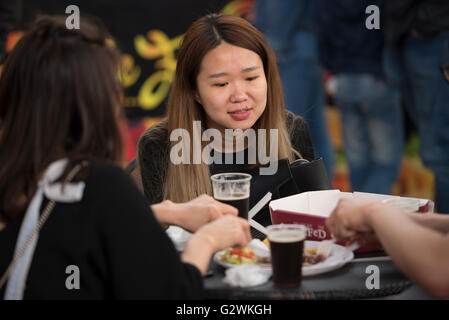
x=60, y=96
x=186, y=181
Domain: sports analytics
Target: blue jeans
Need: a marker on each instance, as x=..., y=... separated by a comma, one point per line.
x=296, y=48
x=415, y=70
x=372, y=131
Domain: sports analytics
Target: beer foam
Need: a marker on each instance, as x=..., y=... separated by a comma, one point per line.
x=237, y=196
x=286, y=236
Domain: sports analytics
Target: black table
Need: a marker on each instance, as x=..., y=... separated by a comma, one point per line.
x=348, y=282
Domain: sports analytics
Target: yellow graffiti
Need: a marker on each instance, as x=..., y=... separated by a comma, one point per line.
x=157, y=45
x=129, y=73
x=155, y=89
x=239, y=8
x=230, y=8
x=154, y=45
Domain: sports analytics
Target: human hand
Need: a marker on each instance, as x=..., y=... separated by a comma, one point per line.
x=350, y=218
x=225, y=232
x=200, y=211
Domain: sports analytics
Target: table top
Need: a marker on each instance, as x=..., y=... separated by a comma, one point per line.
x=349, y=282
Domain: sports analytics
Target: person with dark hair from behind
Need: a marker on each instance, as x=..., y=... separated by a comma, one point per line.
x=60, y=145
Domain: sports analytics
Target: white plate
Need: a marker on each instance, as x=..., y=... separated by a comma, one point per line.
x=338, y=258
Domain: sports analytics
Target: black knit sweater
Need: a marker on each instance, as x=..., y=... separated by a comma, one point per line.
x=154, y=150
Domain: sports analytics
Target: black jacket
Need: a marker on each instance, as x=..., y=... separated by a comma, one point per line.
x=346, y=45
x=113, y=238
x=426, y=17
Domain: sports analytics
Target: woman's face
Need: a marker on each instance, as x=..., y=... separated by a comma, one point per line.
x=232, y=87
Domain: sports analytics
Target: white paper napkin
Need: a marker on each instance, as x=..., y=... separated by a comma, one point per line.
x=247, y=275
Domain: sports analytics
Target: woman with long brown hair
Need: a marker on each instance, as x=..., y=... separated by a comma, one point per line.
x=226, y=78
x=72, y=223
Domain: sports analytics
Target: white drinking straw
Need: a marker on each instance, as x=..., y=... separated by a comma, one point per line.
x=256, y=225
x=254, y=210
x=259, y=205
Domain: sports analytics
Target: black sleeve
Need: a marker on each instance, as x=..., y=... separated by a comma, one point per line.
x=144, y=263
x=300, y=137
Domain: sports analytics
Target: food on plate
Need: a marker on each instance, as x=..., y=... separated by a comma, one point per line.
x=246, y=255
x=310, y=257
x=311, y=250
x=239, y=256
x=266, y=242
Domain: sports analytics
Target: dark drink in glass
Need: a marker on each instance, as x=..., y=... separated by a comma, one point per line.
x=286, y=246
x=238, y=201
x=233, y=189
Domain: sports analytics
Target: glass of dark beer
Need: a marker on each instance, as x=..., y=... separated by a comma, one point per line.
x=233, y=189
x=286, y=246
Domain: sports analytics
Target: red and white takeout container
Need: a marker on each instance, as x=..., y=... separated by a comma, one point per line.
x=313, y=207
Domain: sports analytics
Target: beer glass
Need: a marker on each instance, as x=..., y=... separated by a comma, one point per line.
x=286, y=246
x=233, y=189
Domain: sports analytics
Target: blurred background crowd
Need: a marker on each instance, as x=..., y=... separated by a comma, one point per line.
x=374, y=98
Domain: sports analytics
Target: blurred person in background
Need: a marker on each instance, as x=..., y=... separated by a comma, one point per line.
x=290, y=27
x=60, y=107
x=417, y=35
x=370, y=107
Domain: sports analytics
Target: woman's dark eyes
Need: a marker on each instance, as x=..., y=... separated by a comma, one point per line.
x=225, y=83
